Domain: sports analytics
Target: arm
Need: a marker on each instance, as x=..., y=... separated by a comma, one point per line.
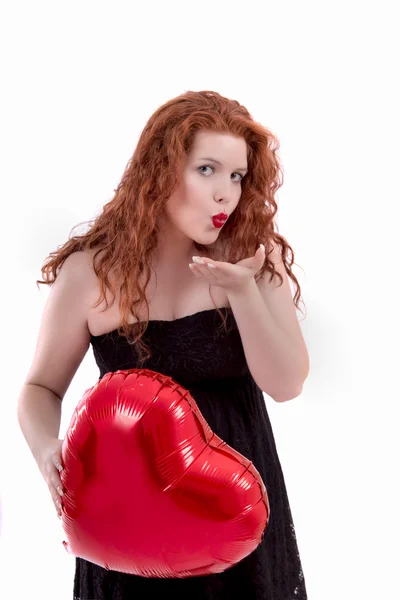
x=62, y=343
x=39, y=417
x=275, y=361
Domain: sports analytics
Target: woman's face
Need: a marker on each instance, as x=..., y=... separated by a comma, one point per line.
x=207, y=187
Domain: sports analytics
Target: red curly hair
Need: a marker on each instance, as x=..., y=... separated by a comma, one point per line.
x=126, y=230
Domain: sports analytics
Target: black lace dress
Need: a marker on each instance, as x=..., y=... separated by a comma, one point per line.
x=197, y=352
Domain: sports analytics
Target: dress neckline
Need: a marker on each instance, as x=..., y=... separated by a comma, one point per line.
x=162, y=321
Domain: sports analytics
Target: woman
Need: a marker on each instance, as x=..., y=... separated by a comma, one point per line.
x=200, y=185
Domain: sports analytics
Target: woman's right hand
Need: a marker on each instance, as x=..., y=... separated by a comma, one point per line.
x=50, y=465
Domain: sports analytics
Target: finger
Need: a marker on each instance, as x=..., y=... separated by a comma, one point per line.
x=54, y=490
x=212, y=270
x=207, y=262
x=56, y=500
x=54, y=481
x=204, y=270
x=261, y=250
x=198, y=271
x=57, y=484
x=57, y=462
x=217, y=266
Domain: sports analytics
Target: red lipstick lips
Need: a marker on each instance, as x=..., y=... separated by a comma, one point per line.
x=219, y=220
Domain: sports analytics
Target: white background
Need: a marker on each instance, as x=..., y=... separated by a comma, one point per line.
x=79, y=81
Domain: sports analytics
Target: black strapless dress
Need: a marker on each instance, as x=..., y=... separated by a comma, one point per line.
x=211, y=364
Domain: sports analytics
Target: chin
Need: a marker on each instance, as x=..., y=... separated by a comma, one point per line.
x=205, y=242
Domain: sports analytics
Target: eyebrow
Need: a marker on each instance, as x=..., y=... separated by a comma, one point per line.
x=218, y=163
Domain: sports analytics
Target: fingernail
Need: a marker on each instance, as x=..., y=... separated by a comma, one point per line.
x=58, y=504
x=59, y=490
x=197, y=260
x=263, y=247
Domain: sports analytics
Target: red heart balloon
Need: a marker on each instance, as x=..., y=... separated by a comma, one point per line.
x=149, y=488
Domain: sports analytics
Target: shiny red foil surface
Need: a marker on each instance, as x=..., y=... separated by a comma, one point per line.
x=150, y=489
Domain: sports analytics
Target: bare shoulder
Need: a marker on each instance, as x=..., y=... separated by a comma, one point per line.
x=78, y=271
x=78, y=265
x=64, y=337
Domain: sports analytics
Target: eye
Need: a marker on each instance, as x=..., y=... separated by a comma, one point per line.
x=206, y=167
x=213, y=169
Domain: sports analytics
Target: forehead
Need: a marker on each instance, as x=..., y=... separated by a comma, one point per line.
x=219, y=145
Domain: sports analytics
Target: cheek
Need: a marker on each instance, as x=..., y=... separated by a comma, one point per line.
x=197, y=198
x=194, y=186
x=180, y=208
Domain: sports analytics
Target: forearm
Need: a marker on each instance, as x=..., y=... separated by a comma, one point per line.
x=274, y=360
x=39, y=416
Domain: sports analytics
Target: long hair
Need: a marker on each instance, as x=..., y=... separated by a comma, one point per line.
x=126, y=230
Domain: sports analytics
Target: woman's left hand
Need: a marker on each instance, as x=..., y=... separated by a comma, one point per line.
x=231, y=277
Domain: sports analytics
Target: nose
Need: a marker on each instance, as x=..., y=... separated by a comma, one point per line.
x=226, y=190
x=226, y=196
x=225, y=200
